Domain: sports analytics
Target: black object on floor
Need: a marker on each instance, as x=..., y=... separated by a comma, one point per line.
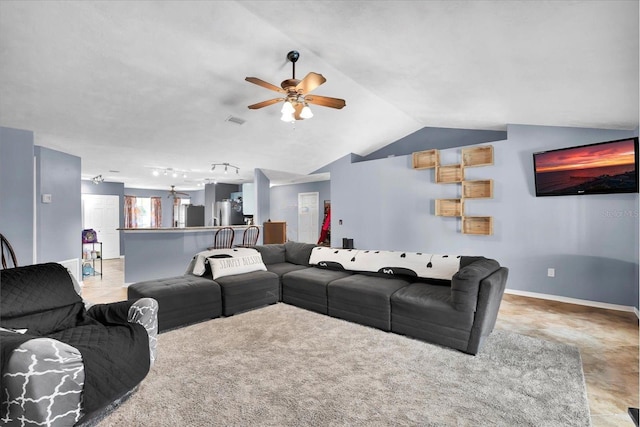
x=633, y=413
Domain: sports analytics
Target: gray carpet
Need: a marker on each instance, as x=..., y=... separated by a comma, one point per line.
x=283, y=366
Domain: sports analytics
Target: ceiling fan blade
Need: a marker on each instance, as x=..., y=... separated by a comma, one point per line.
x=298, y=107
x=325, y=101
x=310, y=82
x=265, y=103
x=264, y=84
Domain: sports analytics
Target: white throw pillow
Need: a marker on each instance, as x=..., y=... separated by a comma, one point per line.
x=221, y=267
x=197, y=266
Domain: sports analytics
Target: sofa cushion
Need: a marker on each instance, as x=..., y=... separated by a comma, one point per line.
x=19, y=296
x=182, y=299
x=40, y=298
x=246, y=291
x=432, y=304
x=363, y=299
x=298, y=253
x=466, y=283
x=307, y=287
x=426, y=311
x=283, y=268
x=271, y=253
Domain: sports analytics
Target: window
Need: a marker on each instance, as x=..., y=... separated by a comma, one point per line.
x=142, y=212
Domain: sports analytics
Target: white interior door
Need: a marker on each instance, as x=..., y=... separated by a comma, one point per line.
x=308, y=217
x=102, y=213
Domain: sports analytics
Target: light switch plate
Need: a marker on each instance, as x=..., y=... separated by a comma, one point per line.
x=46, y=198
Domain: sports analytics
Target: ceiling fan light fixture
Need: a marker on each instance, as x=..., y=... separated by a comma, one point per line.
x=288, y=118
x=306, y=112
x=287, y=108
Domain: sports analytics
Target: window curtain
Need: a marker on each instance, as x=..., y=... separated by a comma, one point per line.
x=176, y=211
x=156, y=212
x=130, y=214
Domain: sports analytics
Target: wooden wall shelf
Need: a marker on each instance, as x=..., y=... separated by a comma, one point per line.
x=449, y=207
x=472, y=189
x=479, y=225
x=426, y=159
x=478, y=189
x=477, y=156
x=449, y=174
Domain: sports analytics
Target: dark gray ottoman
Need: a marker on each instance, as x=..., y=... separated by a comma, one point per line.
x=242, y=292
x=308, y=288
x=426, y=311
x=181, y=299
x=364, y=299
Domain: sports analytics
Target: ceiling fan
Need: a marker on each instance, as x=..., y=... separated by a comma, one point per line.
x=173, y=193
x=296, y=94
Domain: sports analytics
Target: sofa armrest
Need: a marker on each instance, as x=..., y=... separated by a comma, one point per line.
x=489, y=299
x=143, y=311
x=465, y=284
x=43, y=384
x=115, y=313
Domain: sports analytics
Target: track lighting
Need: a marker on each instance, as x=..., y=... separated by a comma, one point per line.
x=166, y=171
x=226, y=167
x=97, y=179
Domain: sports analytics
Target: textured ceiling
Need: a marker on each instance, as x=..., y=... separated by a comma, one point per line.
x=132, y=86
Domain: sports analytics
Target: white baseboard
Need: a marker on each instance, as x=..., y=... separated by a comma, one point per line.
x=577, y=301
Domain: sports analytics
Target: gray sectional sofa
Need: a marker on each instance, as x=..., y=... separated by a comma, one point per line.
x=447, y=300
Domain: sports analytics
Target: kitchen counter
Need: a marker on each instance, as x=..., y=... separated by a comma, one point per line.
x=155, y=253
x=184, y=229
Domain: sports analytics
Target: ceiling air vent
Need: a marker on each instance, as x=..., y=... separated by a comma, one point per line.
x=236, y=120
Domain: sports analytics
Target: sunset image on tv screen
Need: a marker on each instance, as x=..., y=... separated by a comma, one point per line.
x=595, y=168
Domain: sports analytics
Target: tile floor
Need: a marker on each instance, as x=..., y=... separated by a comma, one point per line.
x=607, y=339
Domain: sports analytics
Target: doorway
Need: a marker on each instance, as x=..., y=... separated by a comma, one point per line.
x=308, y=217
x=102, y=213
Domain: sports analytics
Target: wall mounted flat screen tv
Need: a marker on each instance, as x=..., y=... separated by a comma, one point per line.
x=601, y=168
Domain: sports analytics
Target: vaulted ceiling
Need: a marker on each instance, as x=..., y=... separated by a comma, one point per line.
x=134, y=86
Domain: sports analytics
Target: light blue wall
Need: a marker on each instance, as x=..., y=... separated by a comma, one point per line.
x=263, y=204
x=16, y=191
x=59, y=223
x=284, y=204
x=429, y=138
x=591, y=241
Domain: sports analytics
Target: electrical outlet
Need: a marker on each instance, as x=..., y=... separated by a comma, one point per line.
x=551, y=272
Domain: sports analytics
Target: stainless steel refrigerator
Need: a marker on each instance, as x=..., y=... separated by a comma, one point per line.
x=193, y=215
x=229, y=212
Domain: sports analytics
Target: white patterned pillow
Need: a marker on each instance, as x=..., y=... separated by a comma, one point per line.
x=221, y=267
x=198, y=267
